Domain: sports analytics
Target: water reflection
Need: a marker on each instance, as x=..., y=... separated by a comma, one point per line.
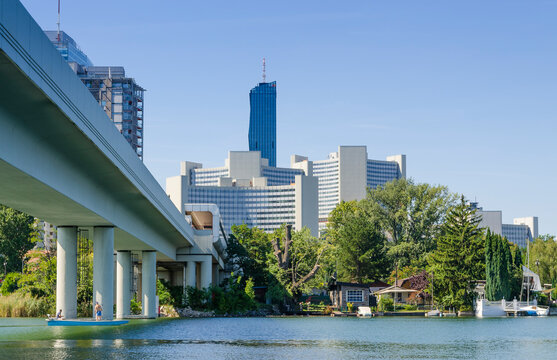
x=287, y=338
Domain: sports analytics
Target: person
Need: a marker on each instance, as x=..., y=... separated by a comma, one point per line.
x=98, y=310
x=59, y=315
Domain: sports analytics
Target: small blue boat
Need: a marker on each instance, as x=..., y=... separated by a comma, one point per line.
x=85, y=322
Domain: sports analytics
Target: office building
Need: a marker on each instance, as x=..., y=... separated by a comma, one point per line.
x=262, y=134
x=120, y=97
x=68, y=48
x=347, y=174
x=249, y=191
x=519, y=232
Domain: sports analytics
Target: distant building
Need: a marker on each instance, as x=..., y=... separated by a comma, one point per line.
x=262, y=134
x=68, y=48
x=249, y=191
x=519, y=232
x=347, y=174
x=120, y=97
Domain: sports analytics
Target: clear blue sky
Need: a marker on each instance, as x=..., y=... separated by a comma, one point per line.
x=467, y=90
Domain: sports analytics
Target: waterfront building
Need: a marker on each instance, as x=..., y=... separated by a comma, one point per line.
x=519, y=232
x=120, y=97
x=262, y=134
x=347, y=174
x=247, y=190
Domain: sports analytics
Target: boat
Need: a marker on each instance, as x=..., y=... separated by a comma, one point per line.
x=433, y=313
x=84, y=322
x=535, y=310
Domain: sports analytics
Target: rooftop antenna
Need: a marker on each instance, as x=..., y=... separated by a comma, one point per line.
x=263, y=69
x=58, y=22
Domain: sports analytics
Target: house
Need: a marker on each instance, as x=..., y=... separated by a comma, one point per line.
x=409, y=290
x=342, y=293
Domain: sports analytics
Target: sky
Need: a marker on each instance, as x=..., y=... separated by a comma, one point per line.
x=466, y=89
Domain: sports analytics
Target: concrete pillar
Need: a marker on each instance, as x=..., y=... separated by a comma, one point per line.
x=103, y=270
x=190, y=274
x=149, y=283
x=123, y=281
x=66, y=272
x=206, y=272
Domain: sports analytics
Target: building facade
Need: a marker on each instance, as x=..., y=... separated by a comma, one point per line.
x=262, y=134
x=249, y=191
x=520, y=232
x=120, y=97
x=347, y=174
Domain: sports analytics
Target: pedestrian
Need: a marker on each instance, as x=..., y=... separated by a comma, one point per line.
x=98, y=311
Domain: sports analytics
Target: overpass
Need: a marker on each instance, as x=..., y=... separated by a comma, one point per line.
x=63, y=160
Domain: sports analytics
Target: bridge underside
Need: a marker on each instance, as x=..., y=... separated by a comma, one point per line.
x=52, y=170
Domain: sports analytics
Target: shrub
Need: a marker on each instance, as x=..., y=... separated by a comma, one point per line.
x=163, y=293
x=10, y=283
x=328, y=310
x=385, y=304
x=466, y=308
x=135, y=307
x=18, y=305
x=350, y=306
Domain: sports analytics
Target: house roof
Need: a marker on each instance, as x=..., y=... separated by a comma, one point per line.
x=394, y=289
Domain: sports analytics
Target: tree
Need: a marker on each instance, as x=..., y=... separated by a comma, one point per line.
x=411, y=214
x=544, y=251
x=296, y=259
x=16, y=233
x=498, y=267
x=359, y=243
x=247, y=253
x=459, y=257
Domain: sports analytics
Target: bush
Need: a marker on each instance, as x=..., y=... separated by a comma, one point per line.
x=135, y=307
x=350, y=306
x=409, y=307
x=163, y=293
x=385, y=304
x=466, y=308
x=328, y=310
x=10, y=283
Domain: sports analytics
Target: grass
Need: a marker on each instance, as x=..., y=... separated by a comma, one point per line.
x=18, y=305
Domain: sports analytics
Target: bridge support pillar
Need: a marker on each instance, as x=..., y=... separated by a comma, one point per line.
x=66, y=272
x=149, y=283
x=123, y=280
x=206, y=273
x=103, y=270
x=190, y=274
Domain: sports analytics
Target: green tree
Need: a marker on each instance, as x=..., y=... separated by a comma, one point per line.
x=16, y=234
x=358, y=243
x=498, y=267
x=543, y=259
x=459, y=257
x=248, y=250
x=411, y=214
x=516, y=273
x=296, y=259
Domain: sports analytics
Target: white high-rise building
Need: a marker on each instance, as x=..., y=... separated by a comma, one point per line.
x=247, y=190
x=347, y=174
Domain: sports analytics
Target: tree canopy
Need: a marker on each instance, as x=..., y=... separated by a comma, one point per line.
x=16, y=233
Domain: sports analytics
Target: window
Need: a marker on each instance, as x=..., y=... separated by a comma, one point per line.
x=354, y=296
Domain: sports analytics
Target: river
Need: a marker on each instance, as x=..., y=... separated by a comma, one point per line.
x=285, y=338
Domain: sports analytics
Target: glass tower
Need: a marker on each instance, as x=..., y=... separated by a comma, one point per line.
x=263, y=121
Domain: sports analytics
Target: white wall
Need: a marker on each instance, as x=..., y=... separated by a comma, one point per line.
x=307, y=210
x=353, y=172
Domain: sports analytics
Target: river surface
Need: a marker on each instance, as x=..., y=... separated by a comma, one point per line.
x=286, y=338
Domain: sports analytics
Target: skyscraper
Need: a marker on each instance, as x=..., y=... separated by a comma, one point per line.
x=263, y=120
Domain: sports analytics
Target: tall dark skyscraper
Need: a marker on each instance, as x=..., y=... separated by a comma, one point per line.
x=263, y=120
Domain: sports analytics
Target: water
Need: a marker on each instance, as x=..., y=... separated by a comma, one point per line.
x=285, y=338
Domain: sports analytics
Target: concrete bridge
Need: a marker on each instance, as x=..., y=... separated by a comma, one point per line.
x=63, y=160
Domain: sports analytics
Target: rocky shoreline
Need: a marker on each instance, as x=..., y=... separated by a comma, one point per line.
x=187, y=312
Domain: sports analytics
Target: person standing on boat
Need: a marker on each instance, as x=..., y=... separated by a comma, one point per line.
x=98, y=311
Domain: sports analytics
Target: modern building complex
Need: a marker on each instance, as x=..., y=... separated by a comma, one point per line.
x=519, y=232
x=262, y=134
x=119, y=96
x=347, y=174
x=249, y=191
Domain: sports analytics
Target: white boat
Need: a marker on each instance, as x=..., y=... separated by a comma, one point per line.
x=535, y=310
x=433, y=313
